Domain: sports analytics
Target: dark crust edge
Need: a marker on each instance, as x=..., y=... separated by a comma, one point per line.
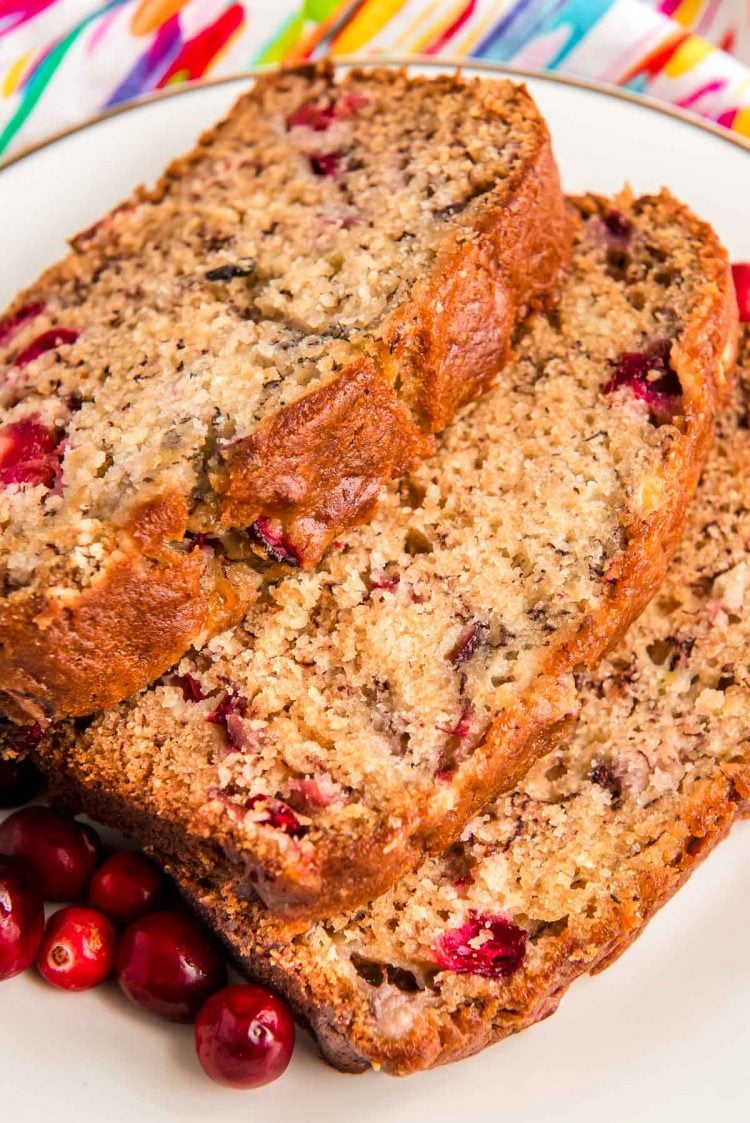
x=67, y=655
x=52, y=657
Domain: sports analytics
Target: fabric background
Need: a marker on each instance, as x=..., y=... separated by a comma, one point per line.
x=64, y=60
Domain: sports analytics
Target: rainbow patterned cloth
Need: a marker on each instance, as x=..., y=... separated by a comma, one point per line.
x=62, y=61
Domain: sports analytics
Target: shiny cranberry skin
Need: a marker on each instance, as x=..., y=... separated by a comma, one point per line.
x=169, y=964
x=19, y=782
x=78, y=949
x=21, y=919
x=244, y=1037
x=741, y=277
x=126, y=887
x=60, y=852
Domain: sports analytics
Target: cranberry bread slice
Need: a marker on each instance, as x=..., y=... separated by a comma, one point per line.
x=224, y=370
x=556, y=879
x=362, y=713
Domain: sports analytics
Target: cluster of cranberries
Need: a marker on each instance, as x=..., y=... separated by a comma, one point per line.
x=162, y=959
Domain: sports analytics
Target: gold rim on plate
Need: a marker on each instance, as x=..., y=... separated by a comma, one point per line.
x=470, y=65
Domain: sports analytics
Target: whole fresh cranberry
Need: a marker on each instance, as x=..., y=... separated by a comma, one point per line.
x=61, y=853
x=169, y=964
x=741, y=276
x=244, y=1037
x=127, y=886
x=19, y=782
x=78, y=949
x=21, y=919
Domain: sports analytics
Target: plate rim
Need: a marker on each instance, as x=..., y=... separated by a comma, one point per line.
x=591, y=85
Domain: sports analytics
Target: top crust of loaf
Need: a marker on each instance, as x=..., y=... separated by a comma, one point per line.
x=363, y=713
x=333, y=261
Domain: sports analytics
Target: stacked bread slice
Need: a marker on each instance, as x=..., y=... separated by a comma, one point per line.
x=556, y=878
x=404, y=788
x=225, y=369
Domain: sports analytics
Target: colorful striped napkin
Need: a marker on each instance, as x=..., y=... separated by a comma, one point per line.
x=62, y=61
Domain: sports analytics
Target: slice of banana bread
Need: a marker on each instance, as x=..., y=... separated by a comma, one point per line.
x=558, y=878
x=224, y=370
x=362, y=713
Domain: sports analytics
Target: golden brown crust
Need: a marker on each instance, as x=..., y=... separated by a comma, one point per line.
x=318, y=465
x=449, y=342
x=315, y=466
x=72, y=654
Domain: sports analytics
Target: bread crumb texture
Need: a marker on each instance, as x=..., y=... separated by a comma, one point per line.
x=224, y=371
x=556, y=878
x=364, y=711
x=248, y=277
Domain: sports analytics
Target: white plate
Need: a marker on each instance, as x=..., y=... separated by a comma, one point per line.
x=663, y=1035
